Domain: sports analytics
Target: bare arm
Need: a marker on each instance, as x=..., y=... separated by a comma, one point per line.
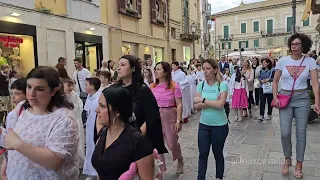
x=315, y=84
x=251, y=76
x=143, y=128
x=3, y=169
x=199, y=105
x=41, y=156
x=275, y=83
x=218, y=104
x=179, y=108
x=146, y=168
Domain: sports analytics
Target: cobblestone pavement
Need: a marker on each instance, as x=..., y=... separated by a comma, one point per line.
x=252, y=151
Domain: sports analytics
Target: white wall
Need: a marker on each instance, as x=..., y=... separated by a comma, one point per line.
x=84, y=10
x=22, y=3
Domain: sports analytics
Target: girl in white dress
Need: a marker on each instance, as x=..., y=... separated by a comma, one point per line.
x=193, y=80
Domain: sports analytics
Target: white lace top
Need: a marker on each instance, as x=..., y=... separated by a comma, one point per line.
x=56, y=131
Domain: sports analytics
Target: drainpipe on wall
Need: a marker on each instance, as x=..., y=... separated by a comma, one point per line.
x=168, y=32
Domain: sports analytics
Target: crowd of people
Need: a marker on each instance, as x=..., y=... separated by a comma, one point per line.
x=114, y=124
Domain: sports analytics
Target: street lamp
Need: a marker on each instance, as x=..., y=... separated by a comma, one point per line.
x=193, y=30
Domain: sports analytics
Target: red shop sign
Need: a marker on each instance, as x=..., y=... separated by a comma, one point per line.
x=10, y=41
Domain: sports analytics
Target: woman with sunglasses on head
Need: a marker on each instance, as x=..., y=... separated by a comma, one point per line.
x=293, y=71
x=119, y=143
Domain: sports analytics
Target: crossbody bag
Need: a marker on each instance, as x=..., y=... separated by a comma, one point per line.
x=83, y=95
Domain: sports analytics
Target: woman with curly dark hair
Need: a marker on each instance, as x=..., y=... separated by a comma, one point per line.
x=293, y=71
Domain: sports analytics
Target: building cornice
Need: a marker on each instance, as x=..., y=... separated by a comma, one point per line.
x=276, y=6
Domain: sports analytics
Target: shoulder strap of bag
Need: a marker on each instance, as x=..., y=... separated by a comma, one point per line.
x=295, y=76
x=78, y=82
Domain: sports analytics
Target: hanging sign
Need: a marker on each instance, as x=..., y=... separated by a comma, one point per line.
x=10, y=41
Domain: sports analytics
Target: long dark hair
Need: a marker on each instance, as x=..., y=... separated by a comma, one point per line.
x=238, y=75
x=167, y=70
x=51, y=76
x=137, y=78
x=108, y=66
x=270, y=65
x=115, y=96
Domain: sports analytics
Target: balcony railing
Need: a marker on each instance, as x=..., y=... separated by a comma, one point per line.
x=278, y=32
x=189, y=37
x=226, y=38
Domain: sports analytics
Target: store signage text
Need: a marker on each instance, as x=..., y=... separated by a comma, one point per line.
x=10, y=41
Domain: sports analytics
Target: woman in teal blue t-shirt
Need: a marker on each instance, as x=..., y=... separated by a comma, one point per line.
x=213, y=130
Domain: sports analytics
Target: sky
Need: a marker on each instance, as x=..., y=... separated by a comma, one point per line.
x=221, y=5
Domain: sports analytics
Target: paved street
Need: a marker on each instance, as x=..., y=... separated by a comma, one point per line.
x=252, y=152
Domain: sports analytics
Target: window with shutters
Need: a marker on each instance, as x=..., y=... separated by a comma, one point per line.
x=289, y=24
x=246, y=42
x=159, y=12
x=229, y=45
x=286, y=40
x=256, y=26
x=306, y=22
x=243, y=28
x=256, y=43
x=131, y=8
x=223, y=45
x=225, y=31
x=269, y=26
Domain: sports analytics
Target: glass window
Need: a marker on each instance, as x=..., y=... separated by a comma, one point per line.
x=256, y=26
x=270, y=42
x=243, y=27
x=226, y=31
x=246, y=46
x=157, y=52
x=229, y=45
x=256, y=43
x=306, y=22
x=89, y=53
x=289, y=24
x=270, y=26
x=17, y=51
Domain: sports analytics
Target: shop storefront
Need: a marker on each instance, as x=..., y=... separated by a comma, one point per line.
x=18, y=46
x=89, y=49
x=158, y=54
x=129, y=48
x=186, y=53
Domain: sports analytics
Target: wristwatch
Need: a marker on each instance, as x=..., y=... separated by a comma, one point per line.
x=204, y=99
x=179, y=121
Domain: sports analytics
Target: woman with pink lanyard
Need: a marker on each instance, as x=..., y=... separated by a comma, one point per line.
x=169, y=98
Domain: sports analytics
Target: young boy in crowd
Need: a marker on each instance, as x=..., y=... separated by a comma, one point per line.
x=73, y=98
x=92, y=89
x=105, y=79
x=18, y=94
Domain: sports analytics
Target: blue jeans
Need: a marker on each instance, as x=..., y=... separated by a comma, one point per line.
x=216, y=137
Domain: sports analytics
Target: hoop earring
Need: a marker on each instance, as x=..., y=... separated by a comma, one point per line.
x=114, y=119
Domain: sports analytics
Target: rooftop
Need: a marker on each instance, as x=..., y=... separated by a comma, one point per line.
x=256, y=6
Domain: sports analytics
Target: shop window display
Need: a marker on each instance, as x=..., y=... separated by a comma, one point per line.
x=17, y=51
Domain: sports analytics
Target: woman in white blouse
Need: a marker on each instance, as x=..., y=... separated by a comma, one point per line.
x=43, y=143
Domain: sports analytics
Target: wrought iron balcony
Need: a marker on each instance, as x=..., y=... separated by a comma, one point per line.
x=225, y=38
x=277, y=32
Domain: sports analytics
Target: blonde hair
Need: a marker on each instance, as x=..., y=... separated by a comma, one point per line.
x=249, y=64
x=215, y=65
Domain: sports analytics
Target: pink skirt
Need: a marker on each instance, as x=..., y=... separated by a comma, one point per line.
x=239, y=99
